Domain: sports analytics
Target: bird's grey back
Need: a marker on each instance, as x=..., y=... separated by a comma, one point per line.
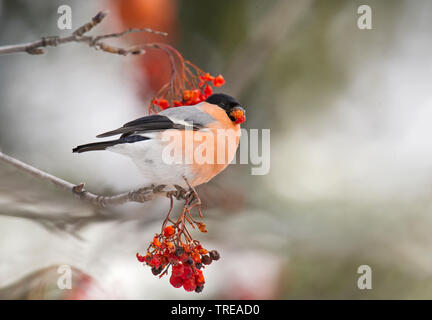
x=189, y=114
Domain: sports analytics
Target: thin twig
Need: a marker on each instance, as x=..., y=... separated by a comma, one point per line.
x=140, y=195
x=78, y=36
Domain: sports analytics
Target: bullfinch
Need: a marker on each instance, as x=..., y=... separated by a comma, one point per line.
x=213, y=123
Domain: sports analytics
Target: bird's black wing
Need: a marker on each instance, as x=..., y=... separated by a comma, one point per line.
x=149, y=123
x=176, y=118
x=172, y=118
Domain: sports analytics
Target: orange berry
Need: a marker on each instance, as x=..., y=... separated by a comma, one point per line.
x=163, y=103
x=169, y=231
x=195, y=94
x=187, y=95
x=177, y=270
x=207, y=77
x=156, y=242
x=140, y=257
x=196, y=257
x=187, y=272
x=218, y=81
x=208, y=91
x=176, y=282
x=199, y=277
x=202, y=227
x=203, y=251
x=189, y=284
x=155, y=262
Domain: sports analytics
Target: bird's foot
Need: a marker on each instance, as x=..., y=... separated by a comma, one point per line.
x=192, y=199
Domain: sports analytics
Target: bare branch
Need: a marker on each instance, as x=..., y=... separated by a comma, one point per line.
x=131, y=30
x=90, y=25
x=79, y=36
x=140, y=195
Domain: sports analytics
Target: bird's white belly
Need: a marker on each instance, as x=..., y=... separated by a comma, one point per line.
x=147, y=155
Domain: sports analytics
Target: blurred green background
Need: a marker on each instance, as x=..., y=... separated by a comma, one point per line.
x=350, y=178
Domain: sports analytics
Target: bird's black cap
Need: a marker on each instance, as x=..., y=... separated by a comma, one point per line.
x=224, y=101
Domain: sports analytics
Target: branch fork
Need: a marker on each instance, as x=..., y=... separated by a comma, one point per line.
x=79, y=36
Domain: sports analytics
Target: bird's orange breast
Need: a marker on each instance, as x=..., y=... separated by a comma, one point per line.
x=206, y=152
x=222, y=137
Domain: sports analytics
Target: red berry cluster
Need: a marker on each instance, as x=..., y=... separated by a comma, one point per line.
x=195, y=96
x=185, y=258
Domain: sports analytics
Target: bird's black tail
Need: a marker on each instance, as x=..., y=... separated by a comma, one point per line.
x=105, y=144
x=95, y=146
